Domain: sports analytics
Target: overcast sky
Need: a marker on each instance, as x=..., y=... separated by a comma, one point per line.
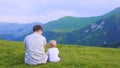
x=27, y=11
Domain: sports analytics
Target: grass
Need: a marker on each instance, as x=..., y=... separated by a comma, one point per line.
x=12, y=56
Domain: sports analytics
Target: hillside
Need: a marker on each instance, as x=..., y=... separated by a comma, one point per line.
x=104, y=31
x=69, y=24
x=100, y=30
x=12, y=56
x=11, y=31
x=114, y=11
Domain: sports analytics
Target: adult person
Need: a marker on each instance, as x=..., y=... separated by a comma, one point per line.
x=35, y=47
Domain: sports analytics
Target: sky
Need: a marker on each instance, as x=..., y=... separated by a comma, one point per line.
x=28, y=11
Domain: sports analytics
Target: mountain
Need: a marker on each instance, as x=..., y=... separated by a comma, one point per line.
x=113, y=12
x=69, y=24
x=10, y=31
x=99, y=30
x=104, y=31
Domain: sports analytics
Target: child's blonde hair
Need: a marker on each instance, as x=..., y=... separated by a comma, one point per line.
x=52, y=43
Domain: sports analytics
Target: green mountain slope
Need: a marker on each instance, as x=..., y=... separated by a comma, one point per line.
x=12, y=56
x=68, y=24
x=104, y=31
x=72, y=30
x=113, y=12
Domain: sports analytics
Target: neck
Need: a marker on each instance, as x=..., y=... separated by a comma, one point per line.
x=38, y=32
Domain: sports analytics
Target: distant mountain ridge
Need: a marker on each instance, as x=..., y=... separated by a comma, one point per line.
x=115, y=11
x=99, y=30
x=10, y=31
x=105, y=31
x=69, y=23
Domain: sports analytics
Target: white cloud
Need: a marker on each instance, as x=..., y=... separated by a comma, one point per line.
x=44, y=18
x=46, y=10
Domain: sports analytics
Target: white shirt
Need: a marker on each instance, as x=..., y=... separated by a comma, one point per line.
x=53, y=54
x=35, y=53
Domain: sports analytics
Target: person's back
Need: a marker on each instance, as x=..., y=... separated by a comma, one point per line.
x=53, y=52
x=35, y=53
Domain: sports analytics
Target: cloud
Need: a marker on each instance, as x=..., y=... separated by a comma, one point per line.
x=43, y=18
x=46, y=10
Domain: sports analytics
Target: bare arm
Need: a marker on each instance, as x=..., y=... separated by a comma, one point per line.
x=44, y=45
x=45, y=42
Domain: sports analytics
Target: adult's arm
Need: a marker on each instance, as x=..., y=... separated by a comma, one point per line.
x=45, y=42
x=44, y=45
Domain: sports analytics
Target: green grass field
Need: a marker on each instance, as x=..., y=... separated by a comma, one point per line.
x=12, y=56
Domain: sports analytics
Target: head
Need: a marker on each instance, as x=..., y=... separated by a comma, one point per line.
x=37, y=28
x=52, y=43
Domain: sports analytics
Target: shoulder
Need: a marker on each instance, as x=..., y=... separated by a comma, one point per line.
x=27, y=37
x=56, y=48
x=43, y=36
x=50, y=49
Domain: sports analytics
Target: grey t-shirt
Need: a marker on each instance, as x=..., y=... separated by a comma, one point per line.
x=35, y=53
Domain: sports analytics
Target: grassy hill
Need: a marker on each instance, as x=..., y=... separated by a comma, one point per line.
x=69, y=24
x=12, y=56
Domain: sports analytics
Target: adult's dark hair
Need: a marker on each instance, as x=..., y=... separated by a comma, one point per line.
x=37, y=28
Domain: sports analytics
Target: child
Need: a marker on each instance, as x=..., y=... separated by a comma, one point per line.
x=53, y=52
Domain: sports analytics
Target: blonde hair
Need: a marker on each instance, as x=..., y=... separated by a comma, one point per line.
x=52, y=43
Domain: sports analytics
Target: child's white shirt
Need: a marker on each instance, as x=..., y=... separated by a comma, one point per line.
x=53, y=54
